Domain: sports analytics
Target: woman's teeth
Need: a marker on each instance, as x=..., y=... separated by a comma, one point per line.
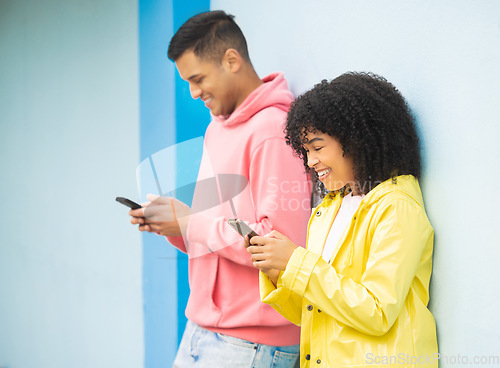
x=323, y=173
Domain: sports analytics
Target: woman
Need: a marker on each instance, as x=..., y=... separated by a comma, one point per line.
x=360, y=289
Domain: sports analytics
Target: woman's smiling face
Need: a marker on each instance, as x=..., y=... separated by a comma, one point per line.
x=326, y=156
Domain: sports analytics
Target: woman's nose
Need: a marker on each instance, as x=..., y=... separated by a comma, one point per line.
x=311, y=160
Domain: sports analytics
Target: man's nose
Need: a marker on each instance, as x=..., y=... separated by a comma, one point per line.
x=195, y=91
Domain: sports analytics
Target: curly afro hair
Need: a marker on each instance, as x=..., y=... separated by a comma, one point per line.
x=370, y=119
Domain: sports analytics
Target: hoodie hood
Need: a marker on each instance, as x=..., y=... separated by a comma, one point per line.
x=272, y=93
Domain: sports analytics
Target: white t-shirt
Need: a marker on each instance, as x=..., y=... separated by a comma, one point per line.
x=347, y=209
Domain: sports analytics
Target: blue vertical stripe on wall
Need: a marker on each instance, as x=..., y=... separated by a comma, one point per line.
x=168, y=115
x=191, y=118
x=157, y=131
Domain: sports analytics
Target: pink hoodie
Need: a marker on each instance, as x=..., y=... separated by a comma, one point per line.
x=224, y=284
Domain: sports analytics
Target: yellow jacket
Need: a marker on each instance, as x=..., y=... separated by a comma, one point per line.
x=368, y=305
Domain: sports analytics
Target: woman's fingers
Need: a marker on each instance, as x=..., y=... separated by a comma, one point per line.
x=255, y=249
x=278, y=235
x=247, y=242
x=260, y=240
x=257, y=257
x=268, y=238
x=261, y=265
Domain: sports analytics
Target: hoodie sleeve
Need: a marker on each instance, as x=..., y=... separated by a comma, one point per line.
x=280, y=192
x=178, y=242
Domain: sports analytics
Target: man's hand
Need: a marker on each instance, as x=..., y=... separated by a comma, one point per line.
x=271, y=252
x=162, y=215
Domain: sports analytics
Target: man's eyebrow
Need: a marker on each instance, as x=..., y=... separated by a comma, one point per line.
x=194, y=76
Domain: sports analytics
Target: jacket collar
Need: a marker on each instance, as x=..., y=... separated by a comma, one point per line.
x=407, y=184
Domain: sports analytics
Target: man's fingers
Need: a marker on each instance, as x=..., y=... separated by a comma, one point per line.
x=160, y=212
x=137, y=220
x=173, y=208
x=152, y=197
x=136, y=213
x=153, y=228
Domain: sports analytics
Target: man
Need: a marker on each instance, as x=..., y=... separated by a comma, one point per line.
x=227, y=325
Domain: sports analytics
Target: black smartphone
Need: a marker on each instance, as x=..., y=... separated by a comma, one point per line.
x=242, y=228
x=127, y=202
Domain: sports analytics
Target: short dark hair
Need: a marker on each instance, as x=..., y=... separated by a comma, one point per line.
x=209, y=35
x=370, y=119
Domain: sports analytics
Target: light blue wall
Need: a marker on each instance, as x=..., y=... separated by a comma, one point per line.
x=71, y=266
x=444, y=57
x=70, y=263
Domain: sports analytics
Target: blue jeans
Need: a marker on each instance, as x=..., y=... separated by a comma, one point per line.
x=201, y=348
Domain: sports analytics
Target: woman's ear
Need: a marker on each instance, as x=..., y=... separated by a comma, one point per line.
x=232, y=60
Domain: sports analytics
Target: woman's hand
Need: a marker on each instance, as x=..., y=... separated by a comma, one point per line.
x=271, y=252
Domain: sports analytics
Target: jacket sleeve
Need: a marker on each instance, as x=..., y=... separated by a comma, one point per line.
x=281, y=196
x=284, y=301
x=372, y=304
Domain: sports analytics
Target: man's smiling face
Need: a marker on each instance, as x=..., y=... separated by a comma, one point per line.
x=213, y=83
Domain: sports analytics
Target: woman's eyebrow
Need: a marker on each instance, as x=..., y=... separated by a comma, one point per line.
x=314, y=140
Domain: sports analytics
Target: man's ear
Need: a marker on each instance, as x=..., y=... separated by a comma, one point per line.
x=232, y=60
